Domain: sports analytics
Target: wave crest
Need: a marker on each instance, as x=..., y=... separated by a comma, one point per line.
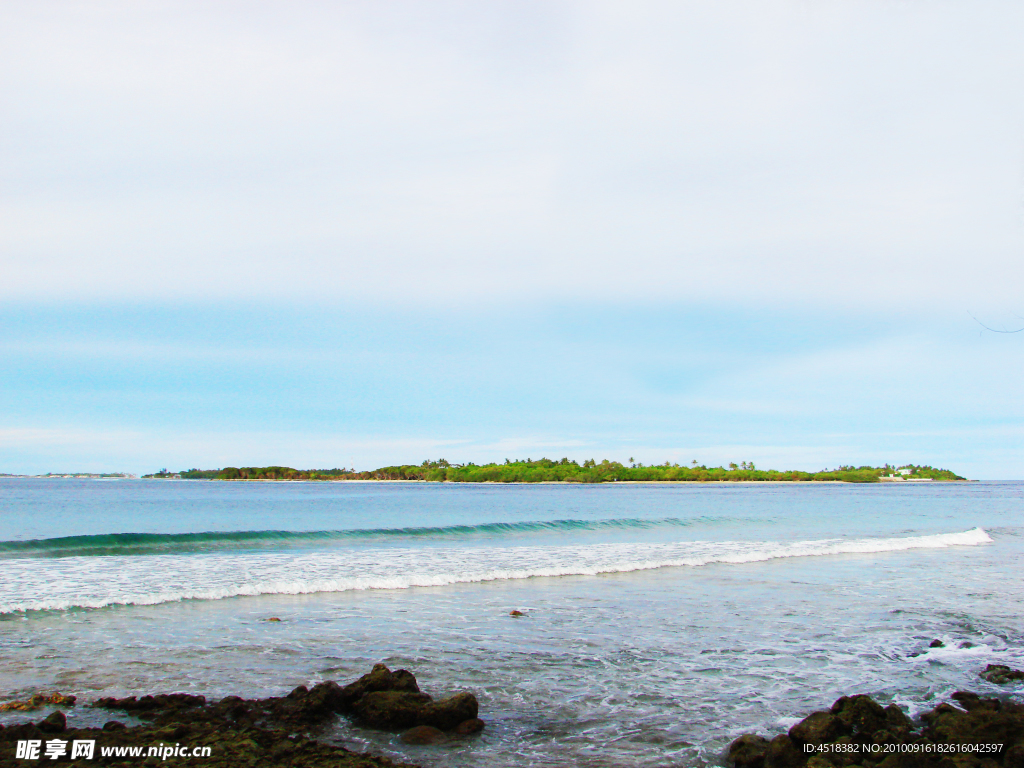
x=208, y=541
x=96, y=583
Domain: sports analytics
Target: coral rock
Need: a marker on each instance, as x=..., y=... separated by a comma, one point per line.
x=1000, y=674
x=448, y=713
x=782, y=753
x=860, y=714
x=55, y=723
x=36, y=701
x=467, y=727
x=379, y=679
x=423, y=734
x=818, y=728
x=391, y=709
x=748, y=751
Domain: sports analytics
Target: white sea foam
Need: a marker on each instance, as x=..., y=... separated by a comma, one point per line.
x=94, y=582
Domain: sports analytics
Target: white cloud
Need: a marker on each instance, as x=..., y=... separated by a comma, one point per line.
x=779, y=153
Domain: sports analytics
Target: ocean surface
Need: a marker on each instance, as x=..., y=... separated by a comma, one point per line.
x=660, y=620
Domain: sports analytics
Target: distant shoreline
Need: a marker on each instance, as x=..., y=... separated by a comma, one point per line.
x=530, y=472
x=374, y=481
x=566, y=482
x=566, y=470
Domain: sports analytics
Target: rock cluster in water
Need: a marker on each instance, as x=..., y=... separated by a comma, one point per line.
x=1000, y=674
x=273, y=731
x=858, y=731
x=36, y=701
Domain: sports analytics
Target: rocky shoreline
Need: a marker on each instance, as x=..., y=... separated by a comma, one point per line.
x=857, y=731
x=279, y=731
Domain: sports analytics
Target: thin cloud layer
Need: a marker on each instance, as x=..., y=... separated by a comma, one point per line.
x=141, y=388
x=864, y=154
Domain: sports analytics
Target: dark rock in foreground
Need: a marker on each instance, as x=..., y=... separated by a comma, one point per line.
x=275, y=731
x=748, y=751
x=230, y=746
x=858, y=731
x=56, y=722
x=391, y=709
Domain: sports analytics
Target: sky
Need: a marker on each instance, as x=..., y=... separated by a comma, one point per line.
x=359, y=233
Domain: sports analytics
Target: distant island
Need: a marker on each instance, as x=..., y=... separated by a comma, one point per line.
x=567, y=471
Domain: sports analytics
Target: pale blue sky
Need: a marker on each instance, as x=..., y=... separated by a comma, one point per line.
x=364, y=233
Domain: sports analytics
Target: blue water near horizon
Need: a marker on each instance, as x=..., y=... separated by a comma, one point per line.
x=661, y=620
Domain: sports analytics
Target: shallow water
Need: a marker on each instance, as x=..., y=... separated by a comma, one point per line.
x=781, y=599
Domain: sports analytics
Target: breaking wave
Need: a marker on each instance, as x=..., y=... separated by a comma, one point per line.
x=85, y=582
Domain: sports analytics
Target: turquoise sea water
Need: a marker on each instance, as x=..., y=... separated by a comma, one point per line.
x=660, y=620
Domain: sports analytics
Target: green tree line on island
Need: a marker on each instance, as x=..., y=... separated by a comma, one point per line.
x=569, y=471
